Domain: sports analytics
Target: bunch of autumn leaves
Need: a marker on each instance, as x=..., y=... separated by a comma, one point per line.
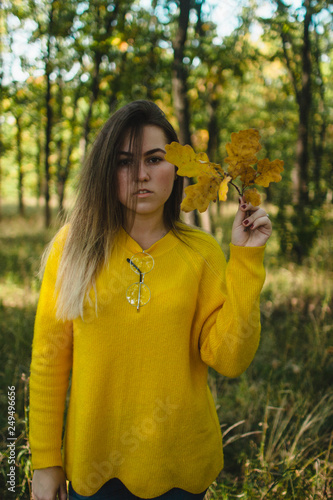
x=213, y=182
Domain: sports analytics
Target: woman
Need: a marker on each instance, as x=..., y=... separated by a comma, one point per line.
x=137, y=305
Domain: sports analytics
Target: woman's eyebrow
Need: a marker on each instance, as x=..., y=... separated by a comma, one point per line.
x=147, y=153
x=156, y=150
x=126, y=153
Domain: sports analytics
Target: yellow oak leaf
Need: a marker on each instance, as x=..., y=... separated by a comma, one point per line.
x=223, y=189
x=236, y=167
x=242, y=150
x=248, y=175
x=188, y=203
x=213, y=169
x=213, y=181
x=269, y=171
x=252, y=196
x=184, y=158
x=189, y=163
x=201, y=194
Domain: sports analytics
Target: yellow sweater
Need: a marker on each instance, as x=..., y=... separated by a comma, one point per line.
x=140, y=408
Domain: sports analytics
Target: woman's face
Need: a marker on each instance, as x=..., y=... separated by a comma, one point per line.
x=148, y=189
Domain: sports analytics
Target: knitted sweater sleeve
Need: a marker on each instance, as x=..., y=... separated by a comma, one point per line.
x=229, y=310
x=49, y=372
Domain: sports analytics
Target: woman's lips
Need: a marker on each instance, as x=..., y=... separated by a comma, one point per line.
x=142, y=193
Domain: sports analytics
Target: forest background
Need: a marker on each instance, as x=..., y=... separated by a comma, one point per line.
x=84, y=59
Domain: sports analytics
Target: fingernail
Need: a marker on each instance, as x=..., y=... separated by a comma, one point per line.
x=245, y=222
x=243, y=206
x=252, y=226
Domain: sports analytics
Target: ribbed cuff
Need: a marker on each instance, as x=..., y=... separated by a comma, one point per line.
x=44, y=459
x=247, y=252
x=247, y=259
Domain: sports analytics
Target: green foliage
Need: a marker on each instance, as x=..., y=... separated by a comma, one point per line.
x=300, y=38
x=299, y=229
x=100, y=55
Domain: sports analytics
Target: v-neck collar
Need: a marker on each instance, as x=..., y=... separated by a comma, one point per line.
x=160, y=246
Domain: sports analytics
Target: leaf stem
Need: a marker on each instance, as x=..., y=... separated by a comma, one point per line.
x=239, y=191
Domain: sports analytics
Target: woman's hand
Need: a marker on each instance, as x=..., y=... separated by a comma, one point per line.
x=252, y=226
x=49, y=484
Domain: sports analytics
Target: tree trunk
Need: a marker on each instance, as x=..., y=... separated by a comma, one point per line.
x=0, y=190
x=60, y=146
x=19, y=164
x=205, y=220
x=47, y=148
x=48, y=127
x=116, y=85
x=2, y=147
x=213, y=130
x=63, y=172
x=179, y=75
x=319, y=141
x=305, y=98
x=98, y=53
x=39, y=165
x=63, y=178
x=179, y=88
x=93, y=99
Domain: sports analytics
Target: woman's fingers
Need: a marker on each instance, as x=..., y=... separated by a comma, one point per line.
x=257, y=218
x=62, y=491
x=247, y=207
x=241, y=213
x=252, y=226
x=253, y=217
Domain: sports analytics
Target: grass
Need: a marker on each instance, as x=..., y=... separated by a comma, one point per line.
x=276, y=419
x=282, y=447
x=21, y=244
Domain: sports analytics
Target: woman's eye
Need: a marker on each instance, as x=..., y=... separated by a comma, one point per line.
x=124, y=162
x=154, y=160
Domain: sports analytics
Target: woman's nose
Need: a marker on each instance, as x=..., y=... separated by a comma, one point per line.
x=143, y=174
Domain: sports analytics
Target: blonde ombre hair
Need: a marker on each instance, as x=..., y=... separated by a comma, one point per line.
x=97, y=215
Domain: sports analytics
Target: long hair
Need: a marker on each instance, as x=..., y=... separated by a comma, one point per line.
x=97, y=215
